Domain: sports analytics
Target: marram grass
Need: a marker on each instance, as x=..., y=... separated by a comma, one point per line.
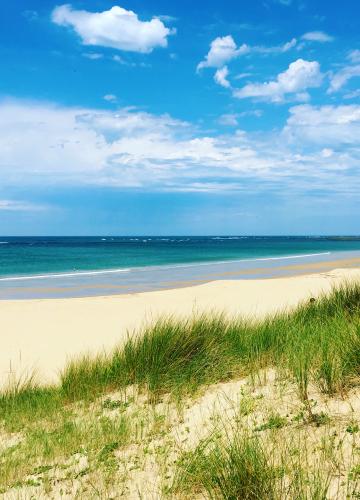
x=319, y=342
x=241, y=465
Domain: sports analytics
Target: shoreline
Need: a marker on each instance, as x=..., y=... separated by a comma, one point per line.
x=154, y=278
x=41, y=335
x=94, y=272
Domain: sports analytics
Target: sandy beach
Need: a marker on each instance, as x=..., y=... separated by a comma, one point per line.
x=41, y=335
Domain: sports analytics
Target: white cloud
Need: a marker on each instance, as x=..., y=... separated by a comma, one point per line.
x=125, y=148
x=354, y=56
x=93, y=55
x=43, y=144
x=229, y=119
x=252, y=112
x=220, y=77
x=354, y=94
x=327, y=125
x=299, y=76
x=327, y=152
x=317, y=36
x=20, y=206
x=119, y=59
x=339, y=79
x=117, y=28
x=110, y=97
x=285, y=47
x=289, y=45
x=240, y=76
x=167, y=19
x=222, y=50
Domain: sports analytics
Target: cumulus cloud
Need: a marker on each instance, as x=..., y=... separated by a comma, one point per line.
x=299, y=76
x=222, y=50
x=117, y=28
x=43, y=144
x=339, y=79
x=220, y=77
x=317, y=36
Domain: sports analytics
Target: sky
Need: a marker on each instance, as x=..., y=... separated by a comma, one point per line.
x=156, y=117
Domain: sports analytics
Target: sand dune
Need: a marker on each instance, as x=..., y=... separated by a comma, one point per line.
x=41, y=335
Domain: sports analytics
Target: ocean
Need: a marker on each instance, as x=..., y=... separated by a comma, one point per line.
x=77, y=266
x=23, y=256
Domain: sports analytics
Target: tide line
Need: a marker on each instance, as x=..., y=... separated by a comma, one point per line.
x=151, y=268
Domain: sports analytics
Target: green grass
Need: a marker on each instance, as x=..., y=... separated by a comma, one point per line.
x=317, y=343
x=230, y=468
x=47, y=446
x=242, y=465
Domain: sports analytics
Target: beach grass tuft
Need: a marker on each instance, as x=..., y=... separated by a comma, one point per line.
x=240, y=464
x=236, y=467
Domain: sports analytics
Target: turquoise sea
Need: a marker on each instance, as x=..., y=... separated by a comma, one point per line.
x=23, y=256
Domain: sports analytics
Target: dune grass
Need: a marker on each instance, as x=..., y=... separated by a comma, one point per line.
x=241, y=465
x=235, y=467
x=319, y=342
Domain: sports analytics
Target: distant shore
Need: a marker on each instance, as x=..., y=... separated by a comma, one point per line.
x=42, y=335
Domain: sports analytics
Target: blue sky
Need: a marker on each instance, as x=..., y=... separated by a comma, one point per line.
x=154, y=117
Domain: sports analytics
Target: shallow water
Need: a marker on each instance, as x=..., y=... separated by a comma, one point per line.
x=33, y=256
x=149, y=278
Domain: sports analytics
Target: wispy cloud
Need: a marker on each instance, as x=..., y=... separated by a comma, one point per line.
x=232, y=119
x=328, y=125
x=110, y=98
x=340, y=79
x=21, y=206
x=317, y=36
x=93, y=55
x=354, y=56
x=129, y=148
x=229, y=119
